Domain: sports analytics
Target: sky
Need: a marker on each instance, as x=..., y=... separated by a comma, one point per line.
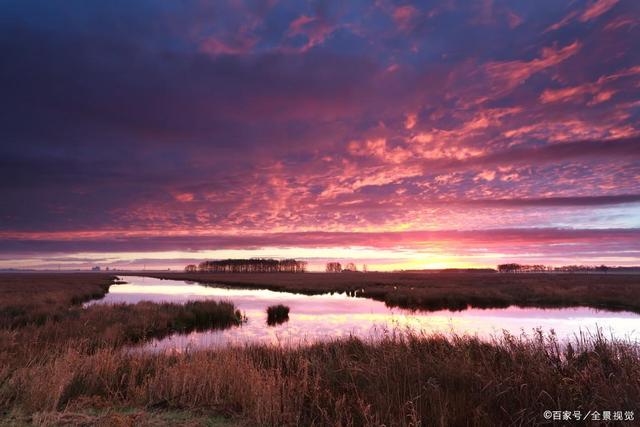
x=403, y=135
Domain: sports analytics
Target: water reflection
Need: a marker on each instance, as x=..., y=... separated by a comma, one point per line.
x=318, y=317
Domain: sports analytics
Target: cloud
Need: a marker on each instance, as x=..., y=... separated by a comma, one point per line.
x=495, y=238
x=215, y=46
x=404, y=16
x=556, y=153
x=410, y=121
x=507, y=75
x=314, y=29
x=486, y=175
x=184, y=197
x=128, y=123
x=601, y=90
x=597, y=8
x=559, y=201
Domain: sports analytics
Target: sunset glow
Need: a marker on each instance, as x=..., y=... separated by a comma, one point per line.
x=412, y=135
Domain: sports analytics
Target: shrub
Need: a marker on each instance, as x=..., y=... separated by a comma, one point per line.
x=277, y=314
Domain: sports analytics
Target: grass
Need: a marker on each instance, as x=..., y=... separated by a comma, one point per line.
x=117, y=417
x=277, y=314
x=73, y=369
x=454, y=291
x=37, y=297
x=112, y=326
x=405, y=379
x=51, y=319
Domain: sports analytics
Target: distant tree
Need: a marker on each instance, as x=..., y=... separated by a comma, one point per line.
x=253, y=265
x=575, y=268
x=333, y=267
x=351, y=267
x=191, y=268
x=364, y=268
x=535, y=268
x=603, y=268
x=509, y=268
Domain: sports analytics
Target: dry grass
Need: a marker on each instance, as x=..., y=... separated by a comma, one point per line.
x=43, y=311
x=112, y=326
x=37, y=297
x=119, y=417
x=436, y=291
x=405, y=379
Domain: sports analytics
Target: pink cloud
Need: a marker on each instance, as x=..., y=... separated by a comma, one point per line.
x=599, y=7
x=599, y=91
x=378, y=148
x=296, y=26
x=487, y=175
x=315, y=29
x=404, y=16
x=410, y=121
x=184, y=197
x=507, y=75
x=621, y=22
x=565, y=94
x=564, y=21
x=596, y=9
x=514, y=19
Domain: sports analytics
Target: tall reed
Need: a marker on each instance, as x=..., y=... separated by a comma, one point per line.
x=405, y=379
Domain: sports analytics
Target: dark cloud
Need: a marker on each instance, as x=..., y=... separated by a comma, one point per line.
x=405, y=239
x=558, y=201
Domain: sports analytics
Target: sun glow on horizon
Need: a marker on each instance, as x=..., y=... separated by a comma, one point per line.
x=375, y=259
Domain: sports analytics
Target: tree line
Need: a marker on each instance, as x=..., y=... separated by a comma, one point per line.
x=336, y=267
x=538, y=268
x=253, y=265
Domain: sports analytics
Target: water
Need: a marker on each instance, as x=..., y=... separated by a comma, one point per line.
x=327, y=316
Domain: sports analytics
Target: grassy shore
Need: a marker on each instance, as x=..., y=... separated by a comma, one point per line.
x=403, y=380
x=454, y=291
x=73, y=369
x=37, y=297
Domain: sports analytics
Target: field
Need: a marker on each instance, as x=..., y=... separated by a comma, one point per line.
x=68, y=365
x=454, y=291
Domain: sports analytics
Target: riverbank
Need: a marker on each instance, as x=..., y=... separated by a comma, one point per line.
x=453, y=291
x=27, y=298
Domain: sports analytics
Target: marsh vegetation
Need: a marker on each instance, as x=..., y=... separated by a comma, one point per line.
x=453, y=291
x=277, y=314
x=78, y=362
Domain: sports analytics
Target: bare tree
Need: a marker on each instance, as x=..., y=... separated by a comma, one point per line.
x=333, y=267
x=351, y=267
